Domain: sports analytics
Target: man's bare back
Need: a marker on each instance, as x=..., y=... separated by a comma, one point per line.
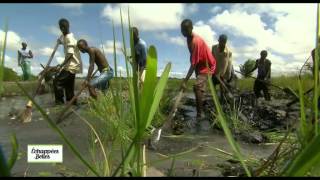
x=99, y=59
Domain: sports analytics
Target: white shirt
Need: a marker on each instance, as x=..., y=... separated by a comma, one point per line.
x=70, y=46
x=24, y=55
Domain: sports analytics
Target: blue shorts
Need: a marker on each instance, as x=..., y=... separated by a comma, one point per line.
x=102, y=81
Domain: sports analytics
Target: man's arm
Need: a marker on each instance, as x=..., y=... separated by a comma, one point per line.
x=66, y=60
x=189, y=74
x=30, y=54
x=268, y=74
x=91, y=65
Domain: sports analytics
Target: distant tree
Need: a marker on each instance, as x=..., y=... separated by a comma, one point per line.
x=247, y=67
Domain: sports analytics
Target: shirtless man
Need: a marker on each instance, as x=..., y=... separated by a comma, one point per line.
x=106, y=72
x=263, y=78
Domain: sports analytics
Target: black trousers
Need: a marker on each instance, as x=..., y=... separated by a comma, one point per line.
x=64, y=82
x=260, y=85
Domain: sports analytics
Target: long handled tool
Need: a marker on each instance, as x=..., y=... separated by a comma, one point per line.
x=297, y=97
x=168, y=123
x=61, y=115
x=27, y=113
x=287, y=90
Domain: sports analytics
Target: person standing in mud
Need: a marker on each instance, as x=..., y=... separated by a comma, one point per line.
x=71, y=65
x=106, y=72
x=24, y=55
x=263, y=78
x=224, y=68
x=201, y=61
x=140, y=47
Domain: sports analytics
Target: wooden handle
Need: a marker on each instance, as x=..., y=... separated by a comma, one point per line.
x=59, y=119
x=45, y=69
x=261, y=80
x=172, y=113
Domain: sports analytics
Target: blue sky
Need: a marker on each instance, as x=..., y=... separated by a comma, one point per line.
x=287, y=31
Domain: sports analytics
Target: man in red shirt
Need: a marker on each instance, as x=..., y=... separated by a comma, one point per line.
x=202, y=62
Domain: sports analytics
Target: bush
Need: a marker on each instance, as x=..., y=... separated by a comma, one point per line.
x=247, y=67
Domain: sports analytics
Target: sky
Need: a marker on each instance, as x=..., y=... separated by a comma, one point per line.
x=286, y=31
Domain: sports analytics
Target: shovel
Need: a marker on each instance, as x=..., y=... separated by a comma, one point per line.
x=286, y=90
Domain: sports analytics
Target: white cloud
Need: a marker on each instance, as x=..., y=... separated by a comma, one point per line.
x=47, y=51
x=216, y=9
x=88, y=38
x=191, y=8
x=177, y=40
x=54, y=30
x=147, y=16
x=13, y=40
x=59, y=59
x=292, y=34
x=108, y=47
x=205, y=31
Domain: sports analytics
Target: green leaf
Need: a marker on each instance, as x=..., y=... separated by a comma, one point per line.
x=58, y=130
x=306, y=159
x=225, y=127
x=14, y=152
x=158, y=93
x=4, y=169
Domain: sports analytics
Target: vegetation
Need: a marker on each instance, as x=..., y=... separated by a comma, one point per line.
x=123, y=118
x=247, y=67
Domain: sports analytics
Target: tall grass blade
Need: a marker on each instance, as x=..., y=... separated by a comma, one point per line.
x=59, y=131
x=2, y=55
x=14, y=152
x=308, y=158
x=4, y=169
x=226, y=129
x=316, y=72
x=107, y=168
x=303, y=122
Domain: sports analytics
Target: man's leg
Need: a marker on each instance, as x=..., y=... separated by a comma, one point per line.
x=28, y=70
x=199, y=89
x=93, y=84
x=257, y=89
x=58, y=86
x=266, y=91
x=24, y=71
x=69, y=86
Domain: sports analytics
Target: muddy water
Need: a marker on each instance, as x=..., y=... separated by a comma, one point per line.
x=203, y=159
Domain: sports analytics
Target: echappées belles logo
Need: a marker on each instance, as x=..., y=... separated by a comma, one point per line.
x=45, y=153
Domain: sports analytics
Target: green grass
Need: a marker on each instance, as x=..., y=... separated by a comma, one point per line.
x=2, y=54
x=121, y=120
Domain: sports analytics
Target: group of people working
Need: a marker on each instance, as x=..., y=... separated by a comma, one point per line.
x=215, y=63
x=64, y=80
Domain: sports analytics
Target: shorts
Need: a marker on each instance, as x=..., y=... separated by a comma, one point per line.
x=201, y=82
x=102, y=81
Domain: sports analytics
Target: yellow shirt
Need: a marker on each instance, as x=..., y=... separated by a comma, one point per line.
x=70, y=46
x=223, y=61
